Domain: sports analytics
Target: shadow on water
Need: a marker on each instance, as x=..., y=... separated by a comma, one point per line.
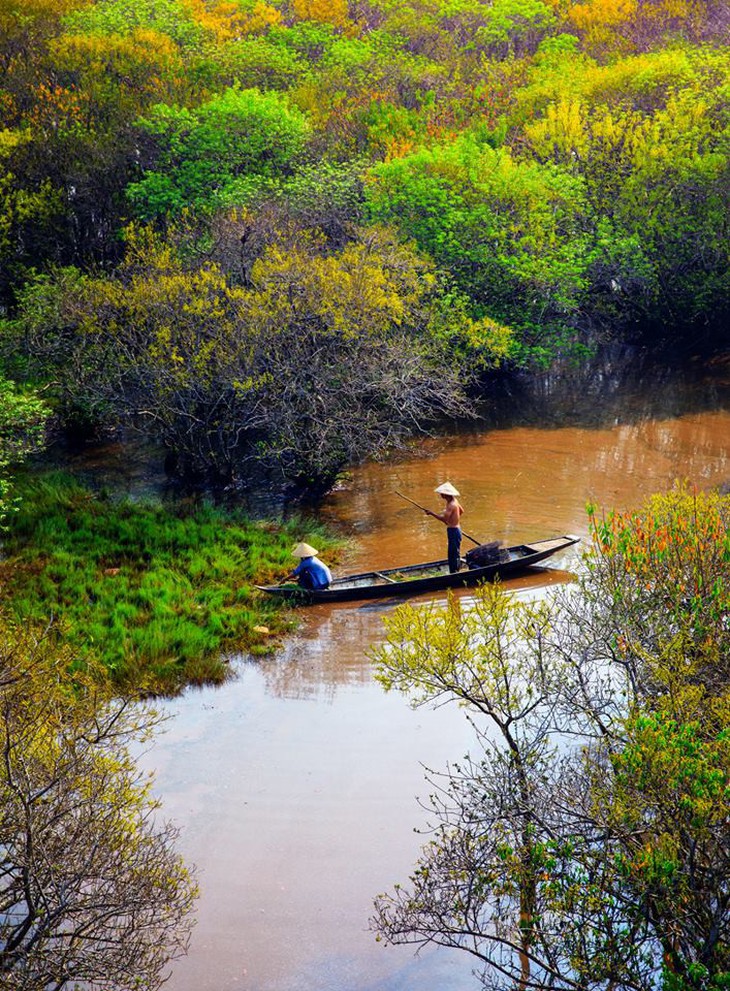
x=618, y=385
x=537, y=578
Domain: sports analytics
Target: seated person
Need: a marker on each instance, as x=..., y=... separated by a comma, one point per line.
x=311, y=573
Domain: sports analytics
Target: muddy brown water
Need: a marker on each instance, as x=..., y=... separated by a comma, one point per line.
x=295, y=784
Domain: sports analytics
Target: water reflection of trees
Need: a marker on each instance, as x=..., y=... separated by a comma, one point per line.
x=326, y=655
x=618, y=384
x=329, y=654
x=584, y=841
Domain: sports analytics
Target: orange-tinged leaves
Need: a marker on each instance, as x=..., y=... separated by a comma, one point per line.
x=334, y=12
x=224, y=20
x=601, y=13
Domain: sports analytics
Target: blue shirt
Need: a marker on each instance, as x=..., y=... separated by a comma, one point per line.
x=318, y=575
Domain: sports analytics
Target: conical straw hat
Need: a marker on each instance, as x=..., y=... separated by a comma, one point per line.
x=304, y=550
x=446, y=489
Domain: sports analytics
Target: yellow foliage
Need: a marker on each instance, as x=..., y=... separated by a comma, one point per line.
x=399, y=146
x=309, y=95
x=604, y=13
x=683, y=8
x=221, y=19
x=8, y=106
x=225, y=21
x=487, y=335
x=639, y=76
x=663, y=12
x=676, y=134
x=611, y=13
x=261, y=17
x=333, y=12
x=636, y=111
x=186, y=318
x=12, y=139
x=363, y=290
x=56, y=108
x=17, y=13
x=152, y=43
x=618, y=24
x=136, y=63
x=611, y=132
x=560, y=133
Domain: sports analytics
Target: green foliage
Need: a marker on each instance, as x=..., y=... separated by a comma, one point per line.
x=475, y=655
x=92, y=888
x=169, y=17
x=379, y=62
x=211, y=153
x=259, y=63
x=307, y=39
x=588, y=834
x=23, y=212
x=326, y=196
x=697, y=978
x=23, y=418
x=509, y=231
x=157, y=593
x=511, y=24
x=563, y=164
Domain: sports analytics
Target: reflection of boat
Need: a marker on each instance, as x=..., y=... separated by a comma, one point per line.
x=430, y=577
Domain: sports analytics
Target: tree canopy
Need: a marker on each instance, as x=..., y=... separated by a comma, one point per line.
x=562, y=166
x=584, y=842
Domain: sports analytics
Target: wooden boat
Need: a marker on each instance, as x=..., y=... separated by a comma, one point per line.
x=432, y=576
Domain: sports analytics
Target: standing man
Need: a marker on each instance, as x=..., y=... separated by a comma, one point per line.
x=311, y=573
x=450, y=517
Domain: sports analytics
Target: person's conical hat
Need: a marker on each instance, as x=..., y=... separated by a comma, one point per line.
x=446, y=489
x=304, y=550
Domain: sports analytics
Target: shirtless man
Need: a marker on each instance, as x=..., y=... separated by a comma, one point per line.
x=450, y=517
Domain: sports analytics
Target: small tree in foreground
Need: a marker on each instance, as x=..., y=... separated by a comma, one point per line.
x=92, y=893
x=586, y=842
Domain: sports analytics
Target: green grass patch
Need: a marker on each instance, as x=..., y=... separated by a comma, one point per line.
x=159, y=593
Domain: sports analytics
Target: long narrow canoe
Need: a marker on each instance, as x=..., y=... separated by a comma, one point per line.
x=432, y=576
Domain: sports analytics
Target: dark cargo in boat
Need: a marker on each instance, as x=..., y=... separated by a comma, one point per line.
x=484, y=554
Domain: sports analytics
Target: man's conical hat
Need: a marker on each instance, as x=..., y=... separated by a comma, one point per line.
x=304, y=550
x=446, y=489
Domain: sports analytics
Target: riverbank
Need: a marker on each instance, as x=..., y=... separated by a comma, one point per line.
x=311, y=810
x=161, y=593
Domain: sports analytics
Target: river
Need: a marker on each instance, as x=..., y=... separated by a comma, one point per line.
x=295, y=785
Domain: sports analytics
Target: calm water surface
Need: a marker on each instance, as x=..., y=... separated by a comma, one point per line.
x=295, y=785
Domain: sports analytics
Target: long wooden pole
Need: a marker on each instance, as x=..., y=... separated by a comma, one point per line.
x=430, y=513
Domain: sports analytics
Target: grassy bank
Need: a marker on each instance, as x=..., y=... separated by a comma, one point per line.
x=159, y=593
